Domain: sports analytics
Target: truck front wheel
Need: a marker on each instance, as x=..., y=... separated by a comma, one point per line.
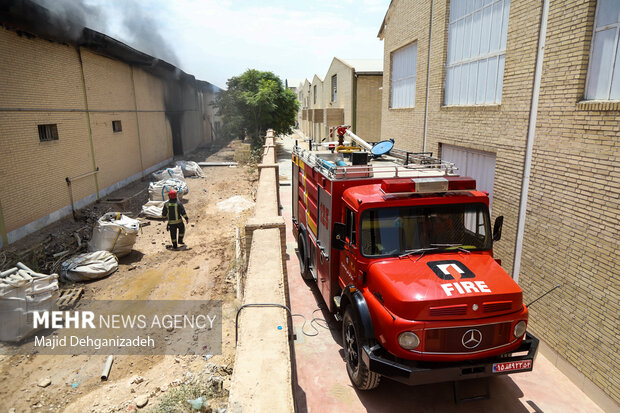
x=360, y=376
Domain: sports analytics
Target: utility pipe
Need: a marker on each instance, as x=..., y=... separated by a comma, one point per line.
x=69, y=180
x=428, y=78
x=531, y=134
x=135, y=106
x=90, y=131
x=106, y=368
x=3, y=234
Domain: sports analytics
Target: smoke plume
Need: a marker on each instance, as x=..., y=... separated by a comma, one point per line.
x=125, y=20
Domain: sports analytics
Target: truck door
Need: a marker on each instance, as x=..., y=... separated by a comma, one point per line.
x=348, y=260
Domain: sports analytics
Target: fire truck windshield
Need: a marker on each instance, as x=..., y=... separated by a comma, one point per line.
x=399, y=230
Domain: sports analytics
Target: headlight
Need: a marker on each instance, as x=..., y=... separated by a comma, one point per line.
x=408, y=340
x=520, y=329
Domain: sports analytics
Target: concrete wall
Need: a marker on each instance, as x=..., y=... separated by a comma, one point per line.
x=572, y=206
x=262, y=378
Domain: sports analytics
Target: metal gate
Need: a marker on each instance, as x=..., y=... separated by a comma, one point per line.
x=471, y=162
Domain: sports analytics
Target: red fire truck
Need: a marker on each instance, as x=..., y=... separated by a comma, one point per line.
x=401, y=248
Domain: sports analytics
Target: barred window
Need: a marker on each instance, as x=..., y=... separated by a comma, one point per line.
x=476, y=51
x=334, y=88
x=48, y=133
x=117, y=126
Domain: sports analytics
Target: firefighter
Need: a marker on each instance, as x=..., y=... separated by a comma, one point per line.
x=173, y=211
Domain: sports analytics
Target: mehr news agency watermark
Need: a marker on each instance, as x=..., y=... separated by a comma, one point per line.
x=176, y=327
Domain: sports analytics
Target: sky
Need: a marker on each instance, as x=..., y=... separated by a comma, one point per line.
x=217, y=39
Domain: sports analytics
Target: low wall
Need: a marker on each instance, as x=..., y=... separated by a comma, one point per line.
x=261, y=378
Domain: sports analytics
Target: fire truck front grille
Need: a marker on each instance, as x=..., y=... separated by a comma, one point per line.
x=448, y=310
x=496, y=306
x=470, y=339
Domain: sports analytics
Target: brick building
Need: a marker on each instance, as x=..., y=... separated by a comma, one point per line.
x=539, y=128
x=350, y=93
x=87, y=108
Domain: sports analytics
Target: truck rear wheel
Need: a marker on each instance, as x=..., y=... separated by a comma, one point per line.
x=304, y=265
x=360, y=376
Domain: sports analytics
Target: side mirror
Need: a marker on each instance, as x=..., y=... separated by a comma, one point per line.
x=339, y=235
x=497, y=228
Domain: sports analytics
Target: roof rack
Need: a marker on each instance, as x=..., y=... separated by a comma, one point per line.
x=397, y=164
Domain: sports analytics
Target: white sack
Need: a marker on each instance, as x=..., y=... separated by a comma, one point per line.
x=158, y=191
x=21, y=295
x=169, y=173
x=152, y=209
x=114, y=232
x=190, y=168
x=89, y=266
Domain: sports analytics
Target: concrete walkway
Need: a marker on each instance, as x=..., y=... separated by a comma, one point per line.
x=321, y=384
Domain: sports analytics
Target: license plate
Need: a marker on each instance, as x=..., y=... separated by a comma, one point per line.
x=512, y=366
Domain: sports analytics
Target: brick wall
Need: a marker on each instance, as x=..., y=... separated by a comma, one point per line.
x=344, y=89
x=368, y=110
x=572, y=226
x=572, y=216
x=33, y=93
x=27, y=83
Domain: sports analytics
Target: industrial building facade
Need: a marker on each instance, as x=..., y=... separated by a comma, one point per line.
x=525, y=97
x=349, y=94
x=80, y=118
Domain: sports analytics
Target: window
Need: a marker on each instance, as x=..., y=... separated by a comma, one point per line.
x=604, y=71
x=413, y=229
x=402, y=92
x=476, y=52
x=350, y=225
x=48, y=133
x=315, y=94
x=334, y=87
x=117, y=126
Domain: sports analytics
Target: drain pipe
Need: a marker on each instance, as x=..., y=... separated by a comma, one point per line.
x=69, y=180
x=531, y=134
x=428, y=77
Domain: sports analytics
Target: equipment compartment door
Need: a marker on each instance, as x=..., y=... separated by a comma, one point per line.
x=295, y=191
x=324, y=230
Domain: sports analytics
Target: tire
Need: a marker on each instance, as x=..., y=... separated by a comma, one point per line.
x=304, y=264
x=361, y=377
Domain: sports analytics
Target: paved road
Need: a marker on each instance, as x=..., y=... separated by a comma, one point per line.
x=321, y=383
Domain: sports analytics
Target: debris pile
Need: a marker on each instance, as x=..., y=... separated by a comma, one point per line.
x=235, y=204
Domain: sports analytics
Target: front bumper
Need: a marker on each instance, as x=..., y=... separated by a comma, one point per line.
x=415, y=373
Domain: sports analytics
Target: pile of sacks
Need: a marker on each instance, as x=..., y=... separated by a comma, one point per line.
x=113, y=236
x=166, y=180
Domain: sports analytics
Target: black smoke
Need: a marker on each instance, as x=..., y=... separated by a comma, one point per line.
x=131, y=24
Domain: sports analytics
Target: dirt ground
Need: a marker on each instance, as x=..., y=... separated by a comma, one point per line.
x=205, y=270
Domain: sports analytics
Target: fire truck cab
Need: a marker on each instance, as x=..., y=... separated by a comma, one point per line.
x=401, y=249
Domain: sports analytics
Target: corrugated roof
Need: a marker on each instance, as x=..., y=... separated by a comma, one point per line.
x=364, y=65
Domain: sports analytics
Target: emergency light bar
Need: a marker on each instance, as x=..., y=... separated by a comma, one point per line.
x=427, y=185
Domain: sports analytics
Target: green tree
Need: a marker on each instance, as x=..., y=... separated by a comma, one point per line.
x=256, y=101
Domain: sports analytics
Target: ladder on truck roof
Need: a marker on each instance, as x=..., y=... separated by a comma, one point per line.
x=400, y=164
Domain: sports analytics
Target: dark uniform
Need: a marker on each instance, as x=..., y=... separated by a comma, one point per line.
x=173, y=211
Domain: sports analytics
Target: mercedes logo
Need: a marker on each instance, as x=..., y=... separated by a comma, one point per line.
x=472, y=338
